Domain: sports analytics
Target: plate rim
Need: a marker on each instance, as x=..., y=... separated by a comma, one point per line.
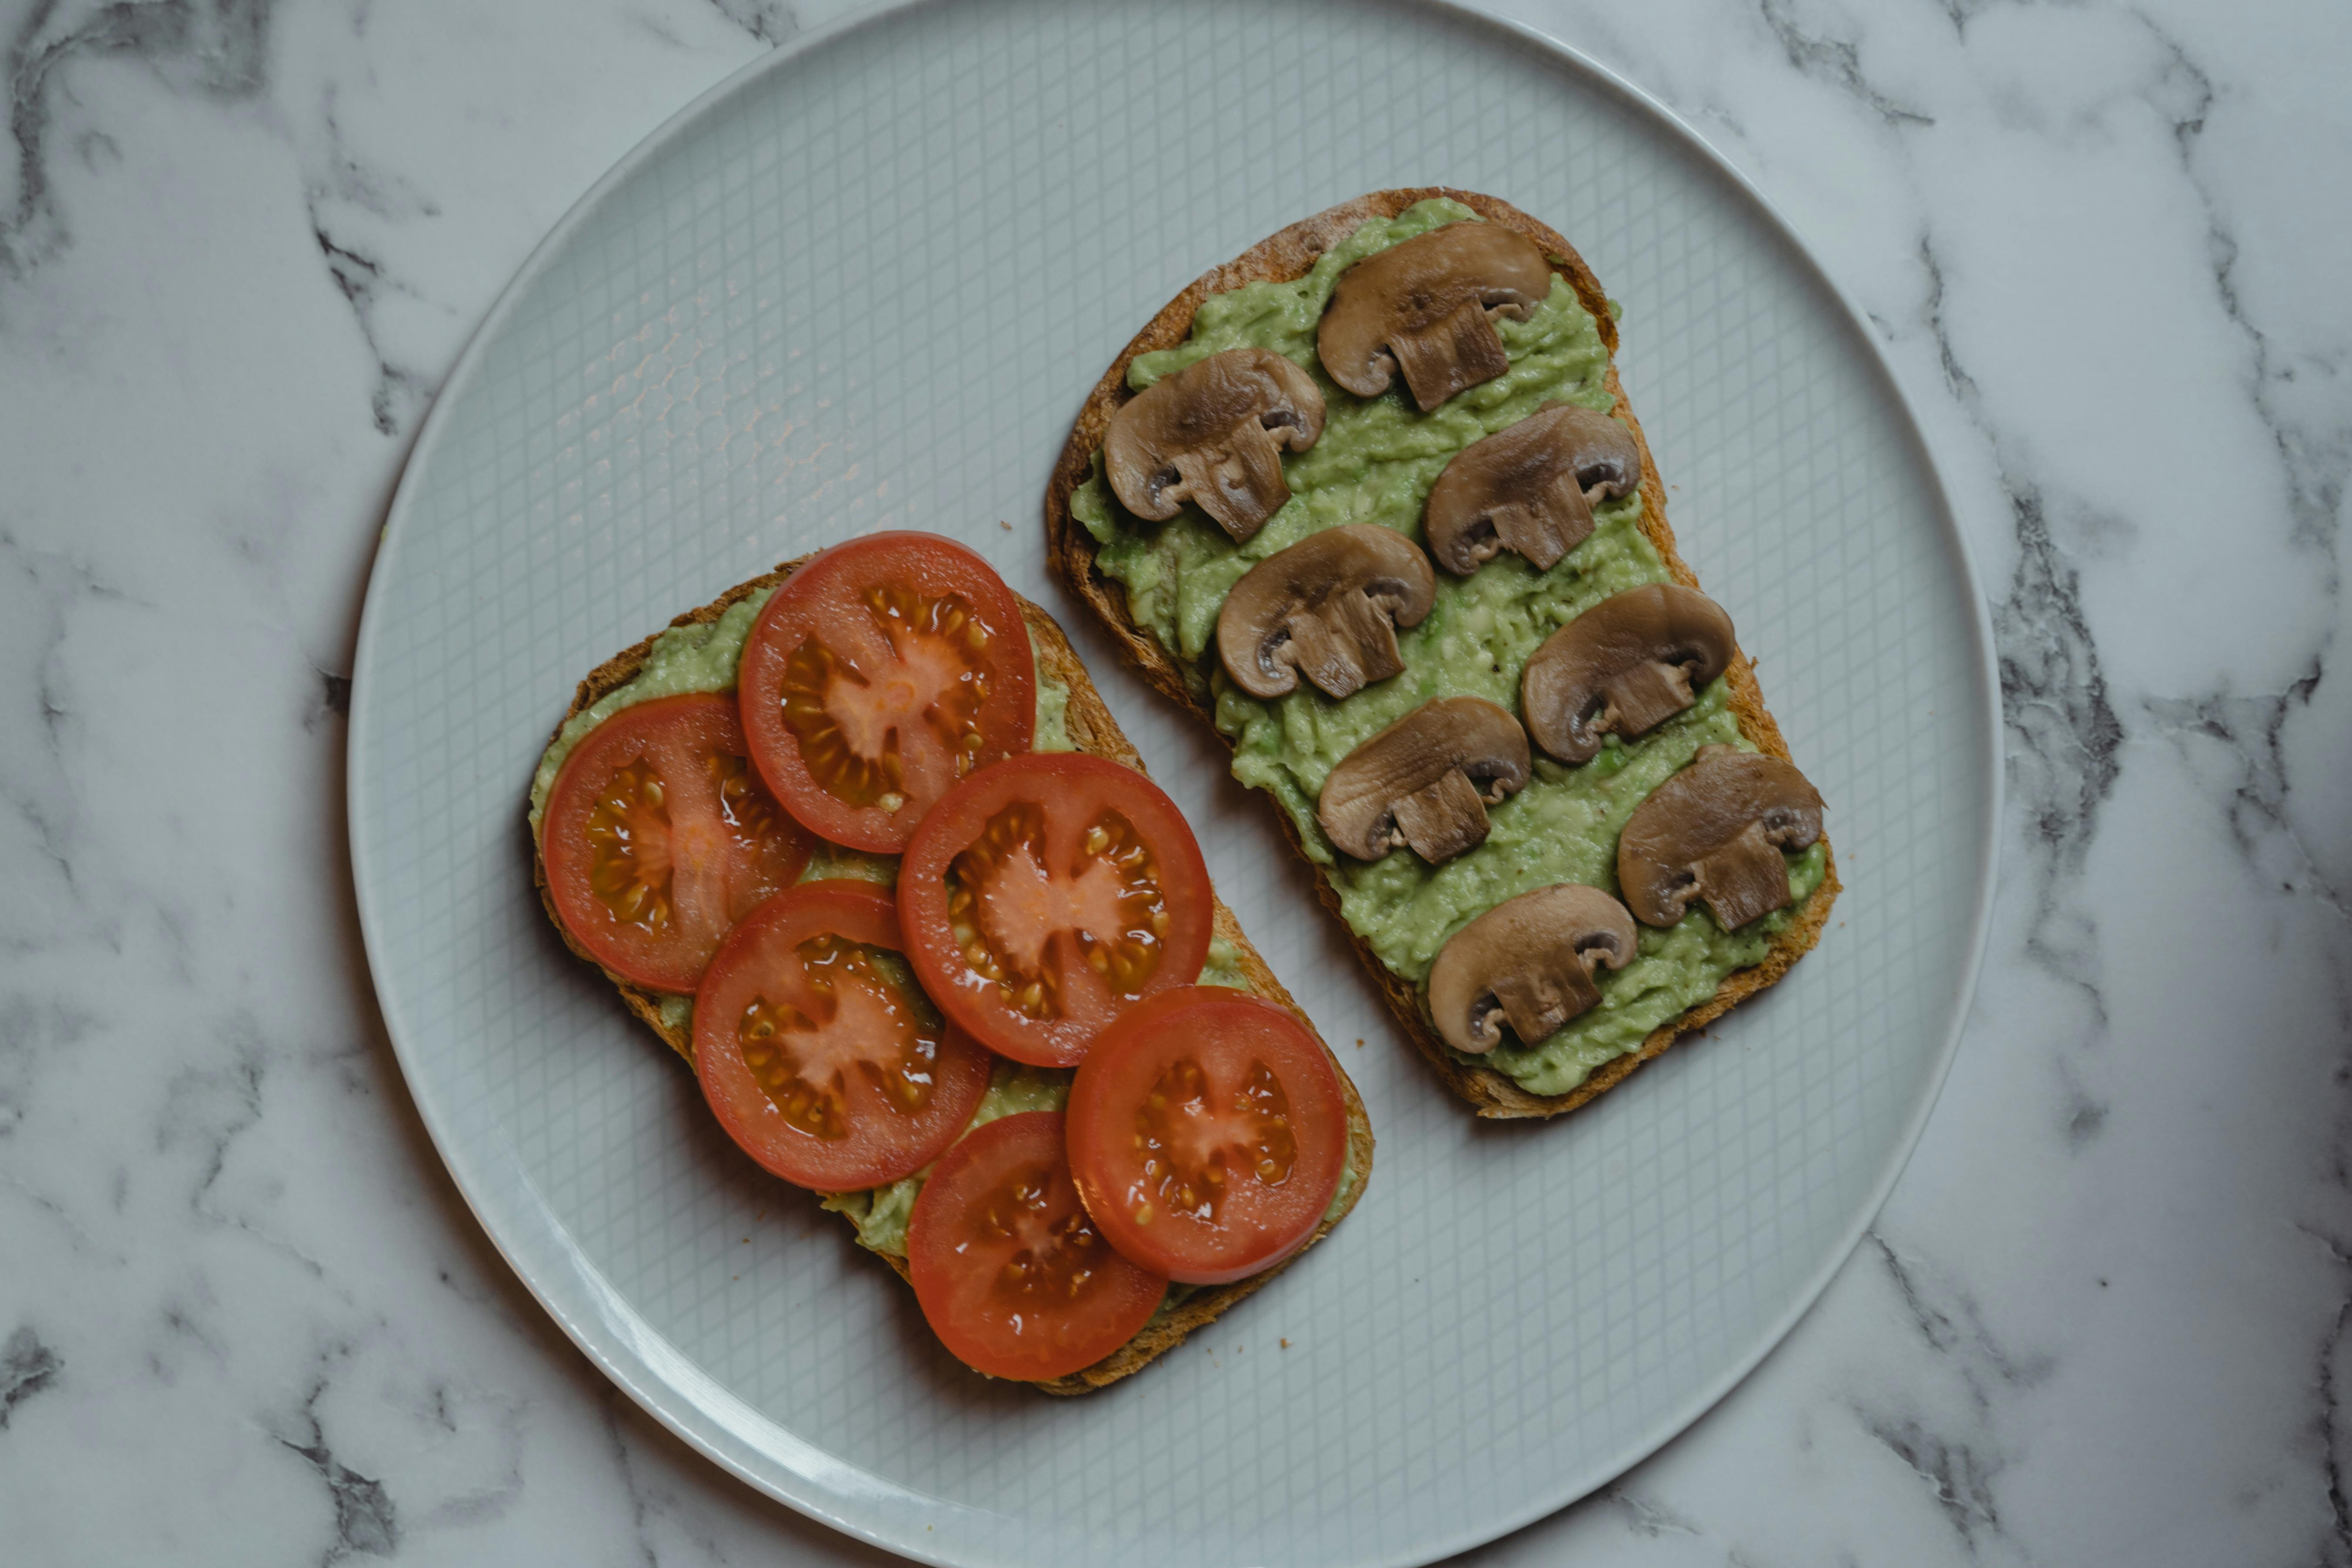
x=798, y=1488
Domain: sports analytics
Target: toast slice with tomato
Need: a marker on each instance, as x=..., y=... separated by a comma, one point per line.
x=1091, y=730
x=1072, y=551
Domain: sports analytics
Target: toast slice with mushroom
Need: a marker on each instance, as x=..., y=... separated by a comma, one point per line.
x=1439, y=343
x=1091, y=729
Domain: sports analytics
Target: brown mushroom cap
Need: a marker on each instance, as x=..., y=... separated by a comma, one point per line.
x=1529, y=487
x=1212, y=433
x=1624, y=667
x=1715, y=832
x=1417, y=782
x=1421, y=307
x=1527, y=961
x=1327, y=608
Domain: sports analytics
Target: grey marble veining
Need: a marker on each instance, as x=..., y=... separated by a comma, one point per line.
x=2107, y=1315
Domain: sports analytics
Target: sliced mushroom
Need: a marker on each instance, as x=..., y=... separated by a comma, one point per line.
x=1327, y=608
x=1624, y=667
x=1528, y=961
x=1212, y=433
x=1418, y=782
x=1423, y=307
x=1715, y=832
x=1529, y=487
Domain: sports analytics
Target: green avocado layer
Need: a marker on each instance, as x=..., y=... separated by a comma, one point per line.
x=1375, y=463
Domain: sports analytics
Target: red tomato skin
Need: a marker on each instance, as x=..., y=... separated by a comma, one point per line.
x=925, y=561
x=970, y=997
x=585, y=768
x=937, y=1266
x=860, y=912
x=1124, y=1066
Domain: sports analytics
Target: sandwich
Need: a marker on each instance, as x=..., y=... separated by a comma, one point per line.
x=860, y=841
x=1370, y=501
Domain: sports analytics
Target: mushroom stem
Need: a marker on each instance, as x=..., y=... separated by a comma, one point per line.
x=1457, y=350
x=1350, y=646
x=1643, y=696
x=1745, y=879
x=1537, y=1003
x=1446, y=820
x=1543, y=530
x=1242, y=486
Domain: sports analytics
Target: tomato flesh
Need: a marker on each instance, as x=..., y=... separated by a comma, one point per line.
x=876, y=676
x=1010, y=911
x=824, y=1065
x=1049, y=893
x=659, y=836
x=1208, y=1134
x=1011, y=1273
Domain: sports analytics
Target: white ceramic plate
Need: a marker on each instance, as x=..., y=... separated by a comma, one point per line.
x=865, y=284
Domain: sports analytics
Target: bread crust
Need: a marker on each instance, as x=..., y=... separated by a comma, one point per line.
x=1282, y=257
x=1092, y=728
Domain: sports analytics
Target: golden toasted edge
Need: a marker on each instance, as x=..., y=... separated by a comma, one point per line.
x=1093, y=730
x=1072, y=550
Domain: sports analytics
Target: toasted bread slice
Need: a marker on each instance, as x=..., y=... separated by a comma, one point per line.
x=1290, y=255
x=1091, y=729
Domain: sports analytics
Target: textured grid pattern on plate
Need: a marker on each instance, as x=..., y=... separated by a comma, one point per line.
x=868, y=290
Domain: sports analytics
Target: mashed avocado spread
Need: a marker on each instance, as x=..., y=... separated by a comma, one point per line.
x=705, y=658
x=1375, y=463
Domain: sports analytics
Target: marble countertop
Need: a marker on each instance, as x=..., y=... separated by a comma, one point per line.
x=245, y=1316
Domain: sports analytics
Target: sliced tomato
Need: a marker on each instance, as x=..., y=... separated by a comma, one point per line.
x=1208, y=1134
x=876, y=676
x=819, y=1054
x=659, y=836
x=1011, y=1274
x=1048, y=894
